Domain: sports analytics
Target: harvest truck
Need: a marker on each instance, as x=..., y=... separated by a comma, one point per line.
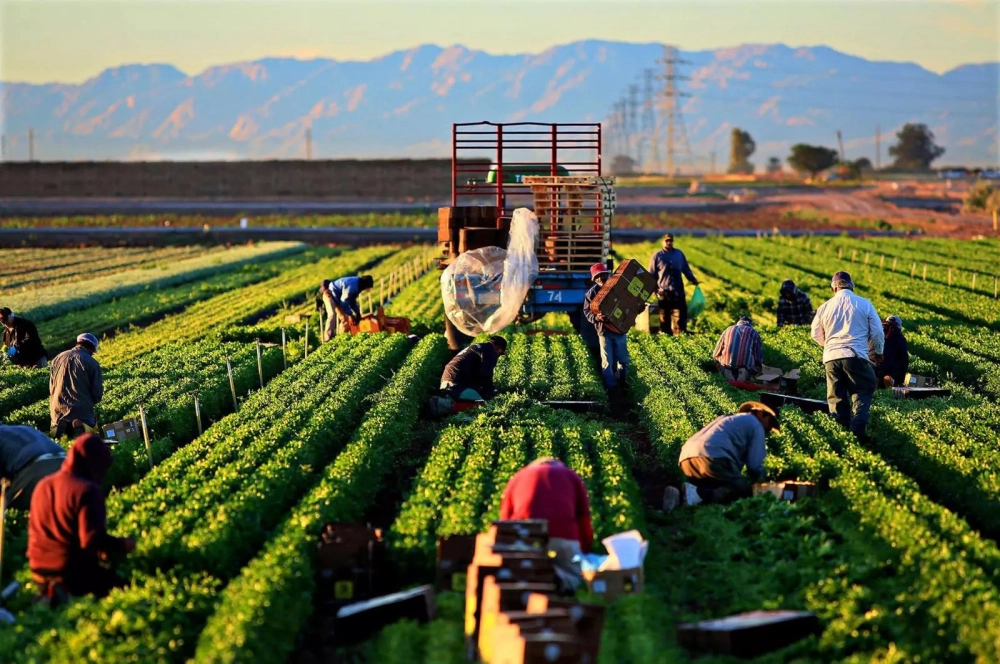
x=556, y=170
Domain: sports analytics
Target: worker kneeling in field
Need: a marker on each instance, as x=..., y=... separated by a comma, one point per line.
x=20, y=336
x=613, y=345
x=340, y=297
x=469, y=375
x=849, y=329
x=75, y=387
x=70, y=552
x=547, y=489
x=26, y=457
x=895, y=362
x=739, y=353
x=794, y=306
x=713, y=459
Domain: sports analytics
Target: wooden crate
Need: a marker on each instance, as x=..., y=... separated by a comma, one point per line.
x=574, y=220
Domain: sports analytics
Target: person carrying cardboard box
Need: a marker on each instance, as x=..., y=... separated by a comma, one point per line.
x=849, y=330
x=895, y=364
x=670, y=265
x=794, y=306
x=613, y=345
x=340, y=297
x=739, y=354
x=76, y=386
x=712, y=460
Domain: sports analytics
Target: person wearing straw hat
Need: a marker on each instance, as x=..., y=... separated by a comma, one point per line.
x=76, y=386
x=670, y=265
x=850, y=332
x=713, y=459
x=613, y=345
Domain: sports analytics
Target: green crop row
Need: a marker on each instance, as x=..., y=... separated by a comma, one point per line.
x=557, y=368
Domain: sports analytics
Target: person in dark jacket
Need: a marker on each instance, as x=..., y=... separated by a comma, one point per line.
x=469, y=375
x=26, y=456
x=613, y=345
x=669, y=265
x=340, y=297
x=20, y=337
x=70, y=552
x=794, y=306
x=895, y=362
x=75, y=387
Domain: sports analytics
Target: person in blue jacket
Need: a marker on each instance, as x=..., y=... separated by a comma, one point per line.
x=614, y=348
x=669, y=264
x=340, y=297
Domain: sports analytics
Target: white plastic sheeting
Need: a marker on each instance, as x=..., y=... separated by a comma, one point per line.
x=483, y=289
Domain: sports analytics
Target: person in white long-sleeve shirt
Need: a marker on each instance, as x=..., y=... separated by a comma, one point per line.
x=847, y=327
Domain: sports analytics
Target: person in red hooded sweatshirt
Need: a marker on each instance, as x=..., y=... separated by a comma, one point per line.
x=548, y=489
x=69, y=548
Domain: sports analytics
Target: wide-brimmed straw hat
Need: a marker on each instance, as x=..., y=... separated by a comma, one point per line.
x=751, y=406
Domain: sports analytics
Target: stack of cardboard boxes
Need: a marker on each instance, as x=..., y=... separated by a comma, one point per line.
x=623, y=297
x=466, y=228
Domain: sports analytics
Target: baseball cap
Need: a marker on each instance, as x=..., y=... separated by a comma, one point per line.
x=668, y=236
x=598, y=268
x=842, y=280
x=89, y=338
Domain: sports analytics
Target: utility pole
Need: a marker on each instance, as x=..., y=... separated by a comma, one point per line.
x=633, y=102
x=649, y=120
x=878, y=146
x=712, y=157
x=840, y=142
x=670, y=97
x=309, y=143
x=31, y=143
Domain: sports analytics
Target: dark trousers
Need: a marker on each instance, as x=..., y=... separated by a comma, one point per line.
x=673, y=315
x=718, y=480
x=95, y=580
x=850, y=386
x=19, y=495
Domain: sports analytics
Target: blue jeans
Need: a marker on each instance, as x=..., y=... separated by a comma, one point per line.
x=614, y=358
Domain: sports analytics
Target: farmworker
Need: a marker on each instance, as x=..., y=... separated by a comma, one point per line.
x=75, y=387
x=20, y=336
x=794, y=306
x=340, y=298
x=713, y=459
x=613, y=345
x=547, y=489
x=739, y=353
x=26, y=456
x=669, y=264
x=469, y=375
x=895, y=362
x=70, y=552
x=846, y=326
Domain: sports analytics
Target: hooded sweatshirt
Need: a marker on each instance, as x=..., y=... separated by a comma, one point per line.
x=67, y=531
x=553, y=492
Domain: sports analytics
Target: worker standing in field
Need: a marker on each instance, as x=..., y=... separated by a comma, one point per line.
x=26, y=456
x=739, y=353
x=794, y=306
x=847, y=326
x=340, y=297
x=20, y=336
x=469, y=375
x=69, y=548
x=76, y=386
x=549, y=490
x=712, y=460
x=670, y=266
x=895, y=362
x=613, y=345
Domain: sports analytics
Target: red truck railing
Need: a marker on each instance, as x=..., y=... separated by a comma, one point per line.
x=514, y=149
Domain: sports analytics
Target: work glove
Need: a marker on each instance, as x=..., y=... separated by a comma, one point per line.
x=11, y=352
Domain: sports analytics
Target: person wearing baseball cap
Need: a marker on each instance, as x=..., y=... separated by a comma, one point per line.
x=713, y=459
x=669, y=266
x=76, y=386
x=850, y=332
x=613, y=344
x=794, y=306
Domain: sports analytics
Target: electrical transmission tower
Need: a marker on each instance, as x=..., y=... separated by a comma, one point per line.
x=670, y=95
x=633, y=126
x=649, y=121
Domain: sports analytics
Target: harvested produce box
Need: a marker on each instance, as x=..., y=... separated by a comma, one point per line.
x=790, y=491
x=122, y=430
x=500, y=597
x=624, y=296
x=748, y=634
x=454, y=555
x=350, y=563
x=919, y=392
x=453, y=220
x=779, y=378
x=918, y=381
x=542, y=649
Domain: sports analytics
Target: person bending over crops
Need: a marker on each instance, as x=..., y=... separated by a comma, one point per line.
x=340, y=297
x=469, y=375
x=895, y=362
x=670, y=265
x=549, y=490
x=70, y=552
x=613, y=345
x=739, y=353
x=20, y=337
x=849, y=329
x=76, y=386
x=794, y=306
x=26, y=456
x=712, y=460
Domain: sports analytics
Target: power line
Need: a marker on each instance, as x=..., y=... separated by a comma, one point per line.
x=649, y=117
x=819, y=106
x=670, y=96
x=865, y=77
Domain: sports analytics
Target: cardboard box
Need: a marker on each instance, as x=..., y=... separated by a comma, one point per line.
x=918, y=381
x=122, y=430
x=500, y=597
x=613, y=583
x=790, y=491
x=349, y=563
x=748, y=634
x=454, y=555
x=471, y=238
x=541, y=649
x=624, y=296
x=776, y=377
x=919, y=392
x=588, y=619
x=360, y=621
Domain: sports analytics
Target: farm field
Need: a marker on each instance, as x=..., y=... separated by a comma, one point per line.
x=898, y=556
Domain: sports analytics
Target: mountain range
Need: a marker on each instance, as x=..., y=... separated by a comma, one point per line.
x=403, y=104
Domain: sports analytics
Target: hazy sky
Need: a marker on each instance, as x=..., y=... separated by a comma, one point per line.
x=72, y=40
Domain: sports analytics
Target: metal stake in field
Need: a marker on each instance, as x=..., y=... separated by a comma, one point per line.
x=925, y=271
x=381, y=290
x=232, y=384
x=949, y=276
x=854, y=254
x=145, y=435
x=867, y=256
x=260, y=365
x=881, y=262
x=284, y=349
x=197, y=412
x=894, y=259
x=913, y=270
x=973, y=281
